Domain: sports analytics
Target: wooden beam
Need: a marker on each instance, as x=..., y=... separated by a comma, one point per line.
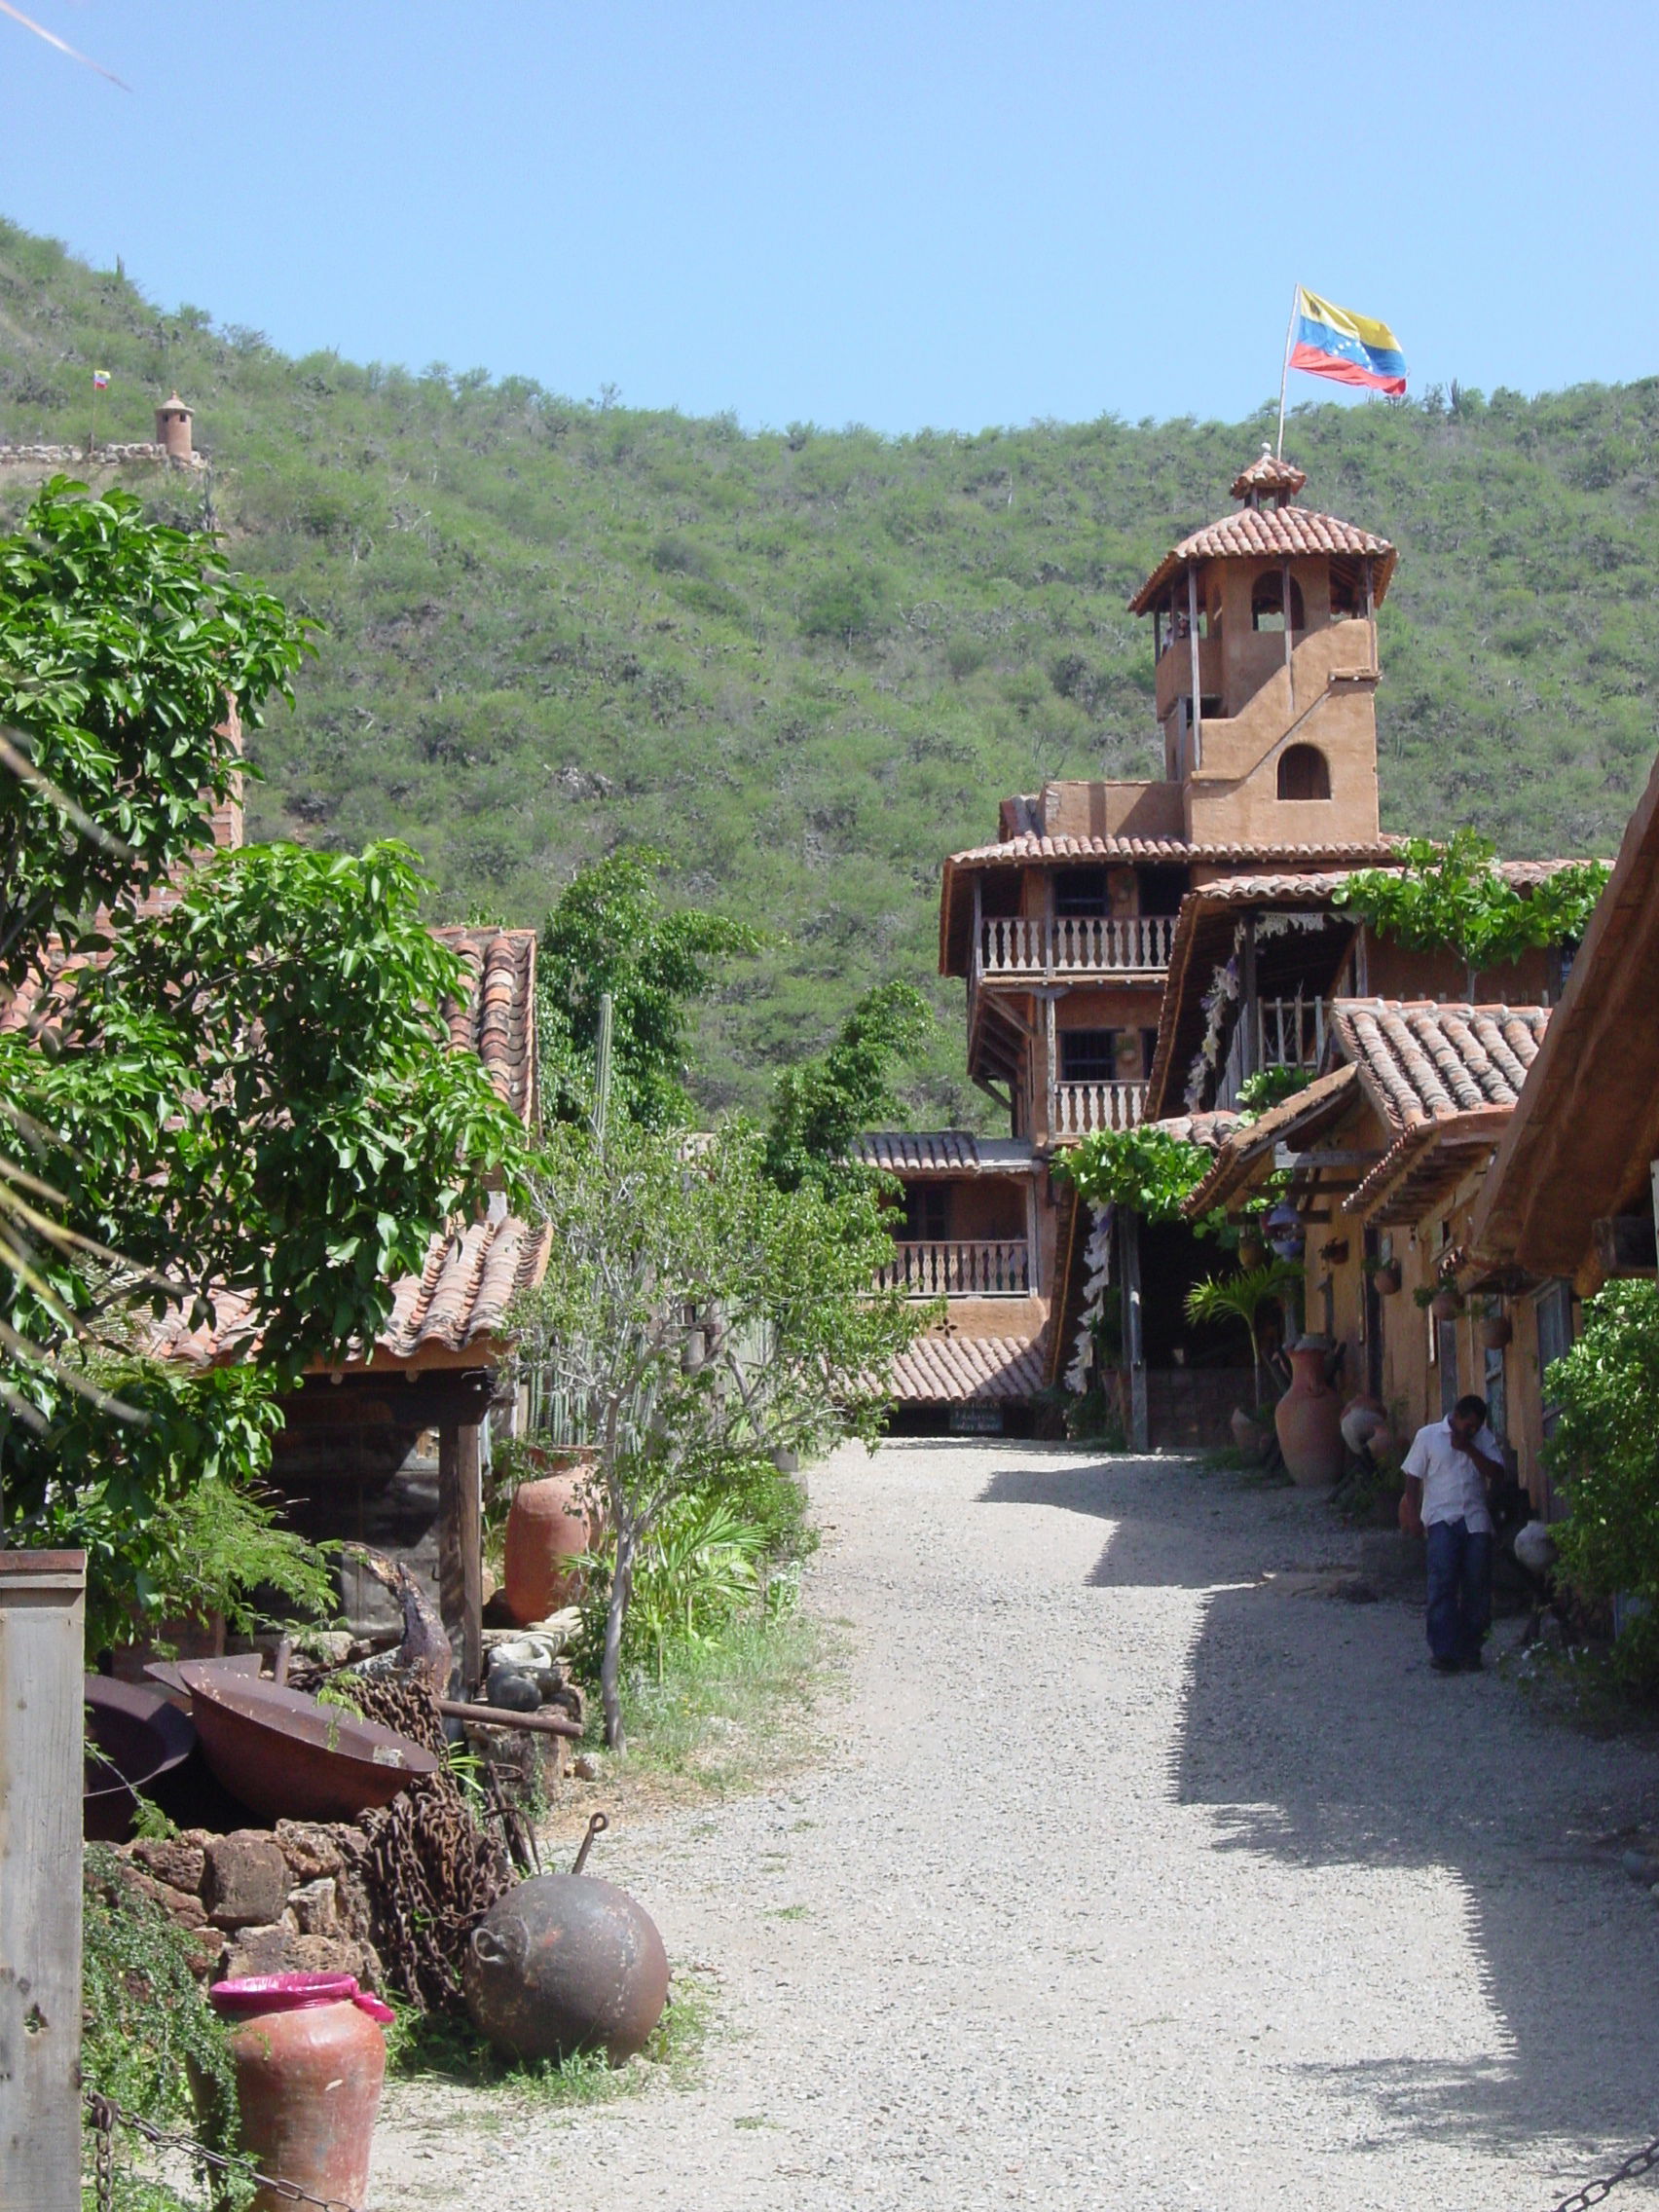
x=1332, y=1155
x=1194, y=668
x=1134, y=1345
x=461, y=1547
x=42, y=1692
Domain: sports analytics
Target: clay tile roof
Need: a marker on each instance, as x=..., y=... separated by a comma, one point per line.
x=944, y=1152
x=456, y=1304
x=497, y=1021
x=1011, y=852
x=954, y=1369
x=1279, y=533
x=1423, y=1062
x=1266, y=473
x=1322, y=1097
x=1210, y=1130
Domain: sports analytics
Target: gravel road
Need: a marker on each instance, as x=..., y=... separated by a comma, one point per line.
x=1141, y=1869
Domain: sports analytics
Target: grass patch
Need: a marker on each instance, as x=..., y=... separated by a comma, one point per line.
x=439, y=2049
x=726, y=1712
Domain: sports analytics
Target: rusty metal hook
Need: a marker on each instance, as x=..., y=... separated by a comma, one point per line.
x=598, y=1823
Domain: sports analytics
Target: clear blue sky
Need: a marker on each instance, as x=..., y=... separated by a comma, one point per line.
x=894, y=211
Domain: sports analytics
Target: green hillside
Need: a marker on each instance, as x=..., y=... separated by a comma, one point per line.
x=806, y=663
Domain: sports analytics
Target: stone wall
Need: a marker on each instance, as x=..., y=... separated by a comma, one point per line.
x=101, y=457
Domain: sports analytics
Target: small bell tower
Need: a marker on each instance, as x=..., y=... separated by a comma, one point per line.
x=173, y=429
x=1264, y=631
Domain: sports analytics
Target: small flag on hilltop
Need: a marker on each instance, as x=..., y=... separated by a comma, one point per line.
x=100, y=380
x=1325, y=340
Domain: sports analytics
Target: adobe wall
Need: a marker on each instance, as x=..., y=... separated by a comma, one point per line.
x=987, y=1207
x=1070, y=809
x=1378, y=968
x=1234, y=798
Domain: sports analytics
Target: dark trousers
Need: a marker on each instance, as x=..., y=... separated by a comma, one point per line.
x=1459, y=1589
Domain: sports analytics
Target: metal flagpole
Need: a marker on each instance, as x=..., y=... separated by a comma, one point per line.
x=1284, y=368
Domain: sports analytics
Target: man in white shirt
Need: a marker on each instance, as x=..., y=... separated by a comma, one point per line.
x=1447, y=1471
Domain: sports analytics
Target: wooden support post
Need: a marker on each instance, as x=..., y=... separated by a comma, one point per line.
x=1134, y=1345
x=461, y=1547
x=1290, y=641
x=42, y=1703
x=1194, y=669
x=1371, y=610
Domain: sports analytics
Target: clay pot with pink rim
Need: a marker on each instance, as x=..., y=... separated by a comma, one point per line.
x=1309, y=1419
x=552, y=1520
x=310, y=2060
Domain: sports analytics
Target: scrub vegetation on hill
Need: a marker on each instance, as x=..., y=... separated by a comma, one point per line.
x=804, y=663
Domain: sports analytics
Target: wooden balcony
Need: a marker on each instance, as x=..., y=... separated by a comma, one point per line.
x=1078, y=1109
x=1014, y=946
x=1290, y=1033
x=998, y=1268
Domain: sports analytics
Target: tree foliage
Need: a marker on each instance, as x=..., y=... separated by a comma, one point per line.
x=700, y=1317
x=1452, y=896
x=1147, y=1170
x=822, y=1105
x=242, y=1090
x=1605, y=1455
x=610, y=935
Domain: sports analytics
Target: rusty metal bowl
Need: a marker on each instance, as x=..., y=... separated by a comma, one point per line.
x=133, y=1737
x=287, y=1756
x=564, y=1963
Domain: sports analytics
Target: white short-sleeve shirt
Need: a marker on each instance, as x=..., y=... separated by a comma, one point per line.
x=1452, y=1485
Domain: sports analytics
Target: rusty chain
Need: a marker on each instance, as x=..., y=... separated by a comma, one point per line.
x=1639, y=2163
x=106, y=2115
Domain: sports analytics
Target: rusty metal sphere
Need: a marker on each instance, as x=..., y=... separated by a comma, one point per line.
x=564, y=1963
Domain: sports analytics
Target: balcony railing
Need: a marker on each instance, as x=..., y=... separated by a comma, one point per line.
x=1076, y=945
x=1290, y=1033
x=998, y=1268
x=1082, y=1108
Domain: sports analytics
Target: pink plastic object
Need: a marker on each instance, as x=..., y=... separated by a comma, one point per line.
x=295, y=1993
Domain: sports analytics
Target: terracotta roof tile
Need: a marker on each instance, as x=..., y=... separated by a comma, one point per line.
x=954, y=1369
x=498, y=1021
x=944, y=1152
x=1422, y=1061
x=456, y=1304
x=1268, y=473
x=1211, y=1130
x=1279, y=531
x=1323, y=1096
x=1028, y=846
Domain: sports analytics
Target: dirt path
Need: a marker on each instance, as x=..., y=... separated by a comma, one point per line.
x=1133, y=1877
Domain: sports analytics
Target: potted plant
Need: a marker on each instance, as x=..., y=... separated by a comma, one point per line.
x=1385, y=1274
x=1493, y=1328
x=1251, y=1250
x=1447, y=1302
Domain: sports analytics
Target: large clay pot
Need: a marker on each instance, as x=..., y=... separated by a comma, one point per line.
x=564, y=1963
x=310, y=2059
x=1309, y=1419
x=550, y=1521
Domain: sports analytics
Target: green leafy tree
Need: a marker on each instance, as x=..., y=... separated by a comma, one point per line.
x=244, y=1090
x=1452, y=896
x=699, y=1316
x=1147, y=1170
x=1605, y=1455
x=609, y=935
x=822, y=1106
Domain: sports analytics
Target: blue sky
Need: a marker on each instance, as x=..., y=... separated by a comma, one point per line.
x=886, y=211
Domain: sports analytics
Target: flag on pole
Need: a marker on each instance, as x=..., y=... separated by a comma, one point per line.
x=1328, y=340
x=100, y=380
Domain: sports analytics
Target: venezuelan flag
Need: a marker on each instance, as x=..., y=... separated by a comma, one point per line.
x=1327, y=340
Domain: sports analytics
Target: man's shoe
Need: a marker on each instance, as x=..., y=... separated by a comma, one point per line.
x=1447, y=1666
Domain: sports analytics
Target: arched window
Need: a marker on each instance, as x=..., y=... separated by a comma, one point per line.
x=1266, y=603
x=1304, y=772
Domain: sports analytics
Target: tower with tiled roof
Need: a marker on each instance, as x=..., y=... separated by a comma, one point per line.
x=1264, y=635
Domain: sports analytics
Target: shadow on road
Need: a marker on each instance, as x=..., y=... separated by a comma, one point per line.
x=1313, y=1731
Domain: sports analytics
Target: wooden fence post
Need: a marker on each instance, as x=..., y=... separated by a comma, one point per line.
x=460, y=1546
x=41, y=1710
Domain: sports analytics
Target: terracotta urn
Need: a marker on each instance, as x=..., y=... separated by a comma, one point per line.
x=310, y=2060
x=550, y=1522
x=1309, y=1419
